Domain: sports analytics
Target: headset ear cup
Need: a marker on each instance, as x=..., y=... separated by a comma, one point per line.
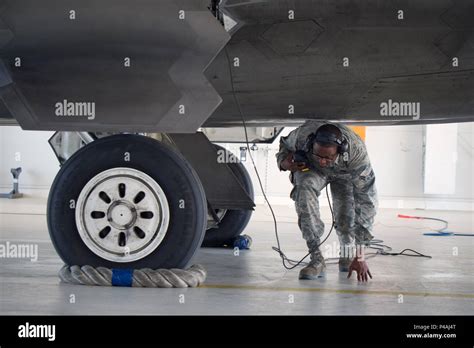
x=344, y=147
x=309, y=143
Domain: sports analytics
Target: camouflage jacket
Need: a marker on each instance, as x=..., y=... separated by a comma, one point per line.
x=354, y=162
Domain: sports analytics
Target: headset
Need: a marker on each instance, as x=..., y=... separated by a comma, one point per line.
x=327, y=138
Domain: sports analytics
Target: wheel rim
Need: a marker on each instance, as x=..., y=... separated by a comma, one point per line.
x=122, y=215
x=211, y=222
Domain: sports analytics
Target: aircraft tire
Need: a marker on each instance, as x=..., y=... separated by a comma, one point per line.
x=152, y=215
x=233, y=221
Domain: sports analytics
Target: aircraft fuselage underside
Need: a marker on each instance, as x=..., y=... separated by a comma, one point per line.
x=171, y=66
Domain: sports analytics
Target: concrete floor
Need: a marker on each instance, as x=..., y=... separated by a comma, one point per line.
x=255, y=281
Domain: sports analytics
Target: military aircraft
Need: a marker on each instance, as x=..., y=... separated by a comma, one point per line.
x=139, y=91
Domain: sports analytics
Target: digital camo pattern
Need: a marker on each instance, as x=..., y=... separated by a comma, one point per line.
x=352, y=184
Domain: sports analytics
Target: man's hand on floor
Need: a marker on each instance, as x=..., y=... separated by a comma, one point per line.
x=362, y=269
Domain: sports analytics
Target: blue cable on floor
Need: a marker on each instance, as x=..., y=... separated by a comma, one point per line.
x=440, y=232
x=444, y=234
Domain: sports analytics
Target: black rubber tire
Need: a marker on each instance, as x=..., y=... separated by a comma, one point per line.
x=165, y=165
x=234, y=221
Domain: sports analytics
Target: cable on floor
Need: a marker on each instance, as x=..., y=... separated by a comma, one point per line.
x=441, y=232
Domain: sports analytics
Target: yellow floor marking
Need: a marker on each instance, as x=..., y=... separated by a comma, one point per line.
x=337, y=291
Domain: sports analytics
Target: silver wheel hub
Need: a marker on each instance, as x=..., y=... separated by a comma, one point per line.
x=122, y=215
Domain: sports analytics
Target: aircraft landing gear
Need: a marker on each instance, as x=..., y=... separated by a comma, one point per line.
x=127, y=201
x=232, y=222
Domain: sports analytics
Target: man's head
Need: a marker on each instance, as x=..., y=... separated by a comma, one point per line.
x=325, y=145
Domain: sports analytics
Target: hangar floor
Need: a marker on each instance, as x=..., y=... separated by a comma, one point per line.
x=255, y=281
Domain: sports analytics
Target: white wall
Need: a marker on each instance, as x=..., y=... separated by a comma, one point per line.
x=396, y=153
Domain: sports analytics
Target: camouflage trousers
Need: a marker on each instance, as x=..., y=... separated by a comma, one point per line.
x=354, y=205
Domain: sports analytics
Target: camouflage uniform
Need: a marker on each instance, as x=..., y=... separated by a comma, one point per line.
x=352, y=184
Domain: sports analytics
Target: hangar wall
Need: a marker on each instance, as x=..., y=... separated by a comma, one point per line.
x=396, y=153
x=31, y=151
